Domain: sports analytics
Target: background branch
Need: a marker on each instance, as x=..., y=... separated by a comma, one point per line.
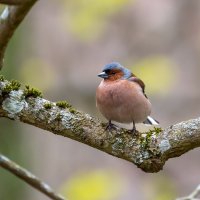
x=193, y=195
x=28, y=177
x=10, y=19
x=13, y=2
x=149, y=151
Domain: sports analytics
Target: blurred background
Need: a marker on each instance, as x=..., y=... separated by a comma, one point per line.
x=60, y=48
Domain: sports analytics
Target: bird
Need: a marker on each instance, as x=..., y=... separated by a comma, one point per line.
x=121, y=97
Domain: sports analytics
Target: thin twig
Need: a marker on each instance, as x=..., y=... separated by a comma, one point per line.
x=28, y=177
x=193, y=195
x=10, y=19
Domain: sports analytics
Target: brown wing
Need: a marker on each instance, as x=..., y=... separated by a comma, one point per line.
x=139, y=82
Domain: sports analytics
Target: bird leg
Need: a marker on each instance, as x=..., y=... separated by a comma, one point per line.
x=134, y=131
x=110, y=125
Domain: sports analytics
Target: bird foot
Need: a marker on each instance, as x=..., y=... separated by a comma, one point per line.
x=134, y=132
x=110, y=126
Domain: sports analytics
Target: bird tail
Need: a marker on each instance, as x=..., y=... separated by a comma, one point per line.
x=151, y=121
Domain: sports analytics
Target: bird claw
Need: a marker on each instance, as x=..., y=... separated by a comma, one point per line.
x=134, y=132
x=110, y=126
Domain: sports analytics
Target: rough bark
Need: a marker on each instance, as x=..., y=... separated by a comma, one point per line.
x=149, y=151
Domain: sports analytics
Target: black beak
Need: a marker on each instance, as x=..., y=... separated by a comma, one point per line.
x=103, y=75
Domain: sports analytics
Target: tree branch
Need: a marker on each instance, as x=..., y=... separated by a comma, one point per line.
x=13, y=2
x=10, y=19
x=28, y=177
x=193, y=195
x=148, y=151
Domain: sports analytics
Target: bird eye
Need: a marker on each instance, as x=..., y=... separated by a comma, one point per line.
x=107, y=71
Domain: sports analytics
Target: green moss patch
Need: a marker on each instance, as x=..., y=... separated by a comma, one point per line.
x=48, y=105
x=12, y=85
x=31, y=92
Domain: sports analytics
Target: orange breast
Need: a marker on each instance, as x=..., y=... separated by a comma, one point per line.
x=122, y=101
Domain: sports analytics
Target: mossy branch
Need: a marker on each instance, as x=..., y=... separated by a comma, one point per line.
x=149, y=151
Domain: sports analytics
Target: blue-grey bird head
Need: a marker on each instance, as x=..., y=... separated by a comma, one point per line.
x=112, y=68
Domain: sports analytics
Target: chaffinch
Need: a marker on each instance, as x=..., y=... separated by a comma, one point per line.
x=121, y=97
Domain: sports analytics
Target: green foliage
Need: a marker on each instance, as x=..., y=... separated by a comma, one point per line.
x=31, y=92
x=47, y=105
